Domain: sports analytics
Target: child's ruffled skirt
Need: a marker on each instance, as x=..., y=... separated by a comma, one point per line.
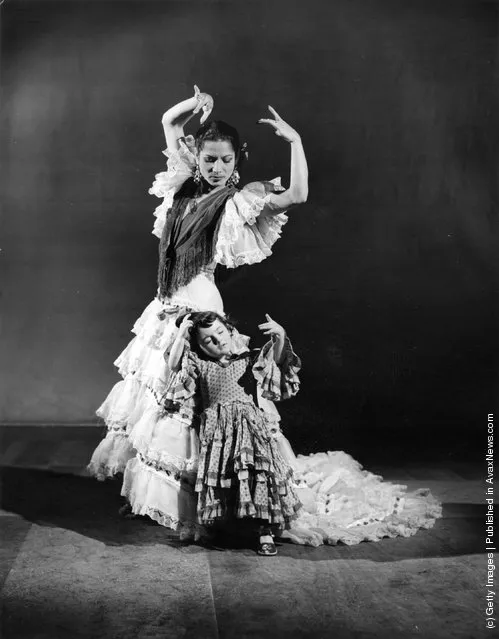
x=241, y=471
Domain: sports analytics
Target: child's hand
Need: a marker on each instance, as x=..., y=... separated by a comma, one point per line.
x=185, y=326
x=271, y=327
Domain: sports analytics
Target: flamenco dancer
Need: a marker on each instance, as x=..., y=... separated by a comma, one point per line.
x=204, y=220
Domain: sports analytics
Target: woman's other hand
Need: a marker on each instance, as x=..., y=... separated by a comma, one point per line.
x=281, y=128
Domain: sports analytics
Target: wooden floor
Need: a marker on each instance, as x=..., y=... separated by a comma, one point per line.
x=70, y=567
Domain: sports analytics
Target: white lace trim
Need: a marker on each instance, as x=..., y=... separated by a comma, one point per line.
x=161, y=213
x=419, y=511
x=188, y=531
x=171, y=463
x=181, y=164
x=244, y=237
x=111, y=455
x=149, y=492
x=249, y=203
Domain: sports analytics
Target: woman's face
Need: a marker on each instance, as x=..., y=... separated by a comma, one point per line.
x=217, y=160
x=215, y=340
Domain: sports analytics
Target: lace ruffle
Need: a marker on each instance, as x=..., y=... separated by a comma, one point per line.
x=159, y=495
x=245, y=236
x=156, y=326
x=188, y=531
x=181, y=164
x=254, y=197
x=111, y=455
x=146, y=365
x=167, y=442
x=161, y=212
x=126, y=398
x=144, y=357
x=345, y=503
x=419, y=510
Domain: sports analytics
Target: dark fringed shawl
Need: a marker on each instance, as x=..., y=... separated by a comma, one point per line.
x=188, y=243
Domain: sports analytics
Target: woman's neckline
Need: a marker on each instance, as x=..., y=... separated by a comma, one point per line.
x=203, y=196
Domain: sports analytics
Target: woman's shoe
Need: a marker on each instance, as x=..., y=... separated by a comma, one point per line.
x=127, y=513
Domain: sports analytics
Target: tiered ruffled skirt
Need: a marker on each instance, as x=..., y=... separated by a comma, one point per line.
x=242, y=472
x=157, y=452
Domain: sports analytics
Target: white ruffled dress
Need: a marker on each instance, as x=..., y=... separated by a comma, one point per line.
x=158, y=453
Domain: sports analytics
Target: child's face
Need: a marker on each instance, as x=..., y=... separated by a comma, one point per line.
x=215, y=341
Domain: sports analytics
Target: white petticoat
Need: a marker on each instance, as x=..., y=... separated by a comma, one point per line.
x=130, y=410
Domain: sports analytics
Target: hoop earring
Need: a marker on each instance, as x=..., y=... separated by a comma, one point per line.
x=197, y=175
x=234, y=178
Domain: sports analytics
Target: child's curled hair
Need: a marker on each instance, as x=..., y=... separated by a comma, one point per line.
x=203, y=319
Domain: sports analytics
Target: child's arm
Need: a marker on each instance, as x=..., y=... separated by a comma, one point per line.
x=270, y=327
x=177, y=349
x=276, y=367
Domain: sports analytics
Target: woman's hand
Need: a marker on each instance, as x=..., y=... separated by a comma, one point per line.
x=175, y=119
x=204, y=104
x=271, y=327
x=297, y=192
x=281, y=128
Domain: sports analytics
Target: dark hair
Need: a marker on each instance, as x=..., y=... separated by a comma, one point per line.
x=203, y=319
x=216, y=130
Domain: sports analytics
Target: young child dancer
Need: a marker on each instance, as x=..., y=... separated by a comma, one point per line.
x=241, y=472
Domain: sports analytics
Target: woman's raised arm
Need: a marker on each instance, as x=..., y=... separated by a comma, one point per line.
x=297, y=192
x=177, y=116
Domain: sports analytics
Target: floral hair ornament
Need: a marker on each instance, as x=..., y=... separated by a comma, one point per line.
x=243, y=156
x=244, y=151
x=190, y=142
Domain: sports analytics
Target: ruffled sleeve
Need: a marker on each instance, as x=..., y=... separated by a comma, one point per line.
x=277, y=382
x=181, y=164
x=182, y=385
x=246, y=235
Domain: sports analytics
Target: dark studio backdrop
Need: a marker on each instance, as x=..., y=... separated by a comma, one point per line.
x=386, y=278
